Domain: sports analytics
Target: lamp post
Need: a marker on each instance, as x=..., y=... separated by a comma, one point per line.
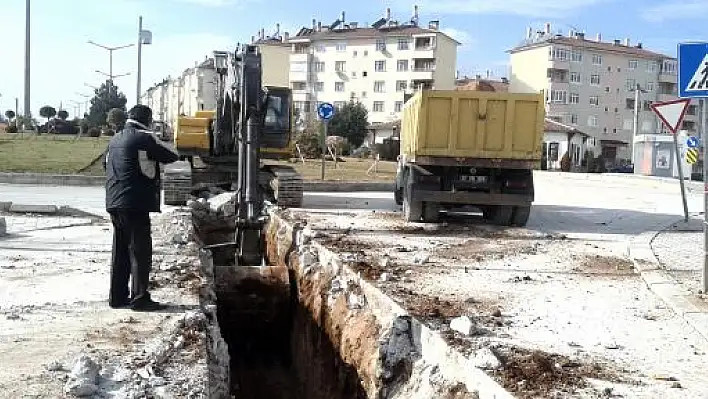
x=144, y=37
x=110, y=54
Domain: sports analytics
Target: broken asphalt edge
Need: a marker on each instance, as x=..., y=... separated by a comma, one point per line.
x=663, y=285
x=53, y=210
x=84, y=180
x=432, y=351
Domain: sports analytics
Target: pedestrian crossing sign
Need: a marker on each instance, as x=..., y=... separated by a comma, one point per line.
x=692, y=156
x=693, y=70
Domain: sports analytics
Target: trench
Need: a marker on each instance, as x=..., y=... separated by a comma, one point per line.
x=277, y=347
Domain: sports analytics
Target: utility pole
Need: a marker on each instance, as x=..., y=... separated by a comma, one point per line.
x=144, y=37
x=635, y=130
x=110, y=57
x=28, y=107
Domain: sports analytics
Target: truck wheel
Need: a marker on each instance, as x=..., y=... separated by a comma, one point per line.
x=520, y=216
x=500, y=215
x=431, y=212
x=412, y=210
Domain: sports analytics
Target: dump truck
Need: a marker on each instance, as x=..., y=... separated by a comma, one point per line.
x=469, y=148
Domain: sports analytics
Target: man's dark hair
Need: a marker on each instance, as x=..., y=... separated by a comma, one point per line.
x=141, y=113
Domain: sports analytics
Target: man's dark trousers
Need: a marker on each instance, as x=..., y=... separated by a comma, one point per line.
x=132, y=255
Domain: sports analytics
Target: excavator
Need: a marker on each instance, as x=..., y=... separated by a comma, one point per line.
x=250, y=120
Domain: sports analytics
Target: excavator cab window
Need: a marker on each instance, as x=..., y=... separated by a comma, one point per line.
x=276, y=113
x=276, y=127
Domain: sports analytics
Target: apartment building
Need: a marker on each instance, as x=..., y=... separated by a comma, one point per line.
x=590, y=85
x=376, y=65
x=195, y=88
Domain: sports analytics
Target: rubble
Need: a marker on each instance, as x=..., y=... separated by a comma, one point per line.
x=464, y=325
x=83, y=379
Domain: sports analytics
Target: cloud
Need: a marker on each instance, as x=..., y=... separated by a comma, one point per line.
x=528, y=8
x=459, y=35
x=675, y=10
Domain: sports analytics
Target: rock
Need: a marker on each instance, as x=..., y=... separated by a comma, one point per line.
x=83, y=378
x=421, y=258
x=80, y=388
x=464, y=325
x=676, y=385
x=156, y=381
x=220, y=203
x=486, y=359
x=180, y=238
x=3, y=227
x=13, y=316
x=497, y=313
x=55, y=366
x=384, y=262
x=384, y=277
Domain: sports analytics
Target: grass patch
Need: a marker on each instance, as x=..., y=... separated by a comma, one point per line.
x=52, y=154
x=352, y=169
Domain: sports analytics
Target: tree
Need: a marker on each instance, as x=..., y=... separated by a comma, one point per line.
x=9, y=114
x=63, y=115
x=350, y=122
x=47, y=112
x=116, y=119
x=107, y=97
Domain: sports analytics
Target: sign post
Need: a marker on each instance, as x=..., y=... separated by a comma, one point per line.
x=672, y=113
x=325, y=111
x=693, y=83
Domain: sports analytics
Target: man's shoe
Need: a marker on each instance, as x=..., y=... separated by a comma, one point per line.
x=119, y=304
x=147, y=306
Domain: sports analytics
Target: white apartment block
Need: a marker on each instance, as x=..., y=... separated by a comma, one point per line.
x=590, y=85
x=376, y=65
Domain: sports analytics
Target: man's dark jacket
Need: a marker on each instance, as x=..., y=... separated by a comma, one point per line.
x=130, y=186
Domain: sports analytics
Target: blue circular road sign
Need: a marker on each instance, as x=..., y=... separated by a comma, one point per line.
x=325, y=111
x=692, y=142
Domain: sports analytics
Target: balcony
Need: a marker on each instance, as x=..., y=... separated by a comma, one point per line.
x=667, y=77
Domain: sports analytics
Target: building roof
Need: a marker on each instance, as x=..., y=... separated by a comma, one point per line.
x=272, y=41
x=365, y=33
x=549, y=125
x=480, y=84
x=386, y=125
x=579, y=42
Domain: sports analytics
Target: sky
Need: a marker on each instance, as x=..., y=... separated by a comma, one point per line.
x=187, y=31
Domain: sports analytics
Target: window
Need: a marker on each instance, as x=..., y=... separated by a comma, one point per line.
x=340, y=66
x=559, y=96
x=631, y=84
x=366, y=53
x=646, y=104
x=607, y=109
x=628, y=124
x=574, y=98
x=592, y=120
x=339, y=86
x=575, y=77
x=378, y=106
x=403, y=44
x=597, y=59
x=607, y=89
x=380, y=66
x=401, y=85
x=354, y=53
x=320, y=48
x=553, y=151
x=302, y=106
x=319, y=66
x=574, y=118
x=341, y=47
x=299, y=86
x=354, y=74
x=559, y=54
x=594, y=100
x=402, y=65
x=363, y=94
x=595, y=79
x=650, y=86
x=380, y=45
x=669, y=67
x=379, y=86
x=647, y=126
x=298, y=66
x=576, y=56
x=398, y=106
x=633, y=64
x=651, y=66
x=364, y=74
x=339, y=104
x=629, y=103
x=691, y=110
x=319, y=86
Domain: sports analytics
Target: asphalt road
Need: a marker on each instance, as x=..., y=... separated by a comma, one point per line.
x=582, y=208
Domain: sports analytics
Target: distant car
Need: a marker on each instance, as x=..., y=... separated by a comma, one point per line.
x=629, y=168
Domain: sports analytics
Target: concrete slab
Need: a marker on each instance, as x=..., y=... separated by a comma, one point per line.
x=32, y=208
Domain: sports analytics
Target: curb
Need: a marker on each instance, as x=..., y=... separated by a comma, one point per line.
x=81, y=180
x=49, y=210
x=665, y=286
x=625, y=178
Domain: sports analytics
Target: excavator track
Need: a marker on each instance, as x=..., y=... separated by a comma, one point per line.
x=287, y=186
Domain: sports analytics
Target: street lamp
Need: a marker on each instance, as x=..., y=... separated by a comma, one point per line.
x=144, y=37
x=111, y=77
x=635, y=130
x=110, y=52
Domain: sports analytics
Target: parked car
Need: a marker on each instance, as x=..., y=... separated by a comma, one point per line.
x=627, y=168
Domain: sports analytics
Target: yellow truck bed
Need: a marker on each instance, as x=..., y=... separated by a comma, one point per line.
x=473, y=124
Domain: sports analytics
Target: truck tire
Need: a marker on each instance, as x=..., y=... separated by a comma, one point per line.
x=431, y=212
x=520, y=215
x=500, y=215
x=412, y=210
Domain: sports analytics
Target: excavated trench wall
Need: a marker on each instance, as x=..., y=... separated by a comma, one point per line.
x=347, y=339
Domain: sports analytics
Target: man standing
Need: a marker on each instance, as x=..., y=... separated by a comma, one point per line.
x=132, y=166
